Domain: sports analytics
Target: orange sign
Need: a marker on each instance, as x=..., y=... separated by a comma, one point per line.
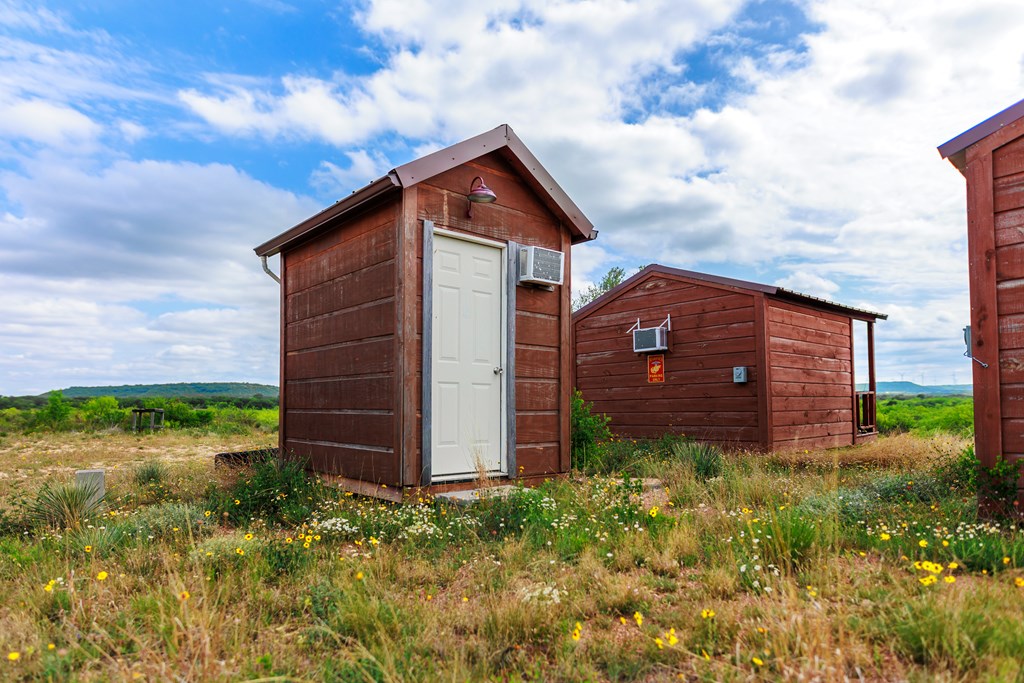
x=656, y=368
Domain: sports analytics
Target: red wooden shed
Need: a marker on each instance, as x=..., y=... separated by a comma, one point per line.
x=991, y=157
x=403, y=371
x=740, y=364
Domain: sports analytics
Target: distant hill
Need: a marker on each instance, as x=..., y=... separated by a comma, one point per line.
x=179, y=390
x=912, y=388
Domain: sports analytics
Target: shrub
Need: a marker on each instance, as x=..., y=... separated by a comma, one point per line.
x=56, y=414
x=586, y=428
x=960, y=473
x=276, y=490
x=103, y=412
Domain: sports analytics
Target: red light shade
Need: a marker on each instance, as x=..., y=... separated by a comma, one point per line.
x=479, y=194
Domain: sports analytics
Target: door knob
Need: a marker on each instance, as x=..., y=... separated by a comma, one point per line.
x=498, y=371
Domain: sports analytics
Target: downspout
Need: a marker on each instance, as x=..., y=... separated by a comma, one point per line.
x=268, y=271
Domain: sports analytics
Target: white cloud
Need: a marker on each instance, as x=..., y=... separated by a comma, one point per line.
x=52, y=124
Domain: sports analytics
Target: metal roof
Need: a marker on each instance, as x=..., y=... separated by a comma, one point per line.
x=770, y=290
x=955, y=149
x=501, y=138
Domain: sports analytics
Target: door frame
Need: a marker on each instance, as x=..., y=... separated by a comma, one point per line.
x=507, y=438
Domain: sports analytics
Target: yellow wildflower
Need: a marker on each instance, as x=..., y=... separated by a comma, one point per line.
x=923, y=543
x=884, y=536
x=659, y=643
x=1006, y=560
x=248, y=537
x=14, y=656
x=1019, y=582
x=653, y=512
x=707, y=614
x=638, y=618
x=359, y=576
x=184, y=595
x=102, y=576
x=88, y=548
x=757, y=660
x=928, y=580
x=949, y=579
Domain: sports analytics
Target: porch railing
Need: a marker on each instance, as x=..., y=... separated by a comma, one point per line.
x=864, y=412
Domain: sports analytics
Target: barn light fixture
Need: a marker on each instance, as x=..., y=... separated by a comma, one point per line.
x=479, y=193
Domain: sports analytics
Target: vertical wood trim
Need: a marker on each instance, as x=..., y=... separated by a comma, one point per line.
x=981, y=250
x=762, y=352
x=426, y=387
x=511, y=282
x=405, y=326
x=564, y=352
x=282, y=414
x=854, y=404
x=871, y=356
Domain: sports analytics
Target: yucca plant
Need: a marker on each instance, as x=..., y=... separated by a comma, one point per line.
x=65, y=506
x=150, y=472
x=706, y=458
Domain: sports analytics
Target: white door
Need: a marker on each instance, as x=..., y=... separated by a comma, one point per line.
x=467, y=364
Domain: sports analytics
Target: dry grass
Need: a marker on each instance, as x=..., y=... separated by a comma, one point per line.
x=499, y=599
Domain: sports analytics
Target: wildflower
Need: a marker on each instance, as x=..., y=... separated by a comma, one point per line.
x=623, y=620
x=237, y=502
x=1006, y=560
x=757, y=660
x=14, y=656
x=923, y=543
x=953, y=565
x=949, y=579
x=576, y=632
x=88, y=548
x=239, y=551
x=671, y=637
x=1019, y=582
x=248, y=537
x=51, y=646
x=638, y=618
x=206, y=514
x=306, y=544
x=884, y=536
x=705, y=654
x=359, y=576
x=707, y=613
x=945, y=543
x=102, y=576
x=288, y=540
x=659, y=643
x=928, y=580
x=465, y=599
x=184, y=595
x=373, y=541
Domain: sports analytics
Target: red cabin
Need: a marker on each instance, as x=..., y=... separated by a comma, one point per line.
x=737, y=363
x=991, y=157
x=425, y=336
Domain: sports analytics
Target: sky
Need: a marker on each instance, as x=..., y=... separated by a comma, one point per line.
x=146, y=148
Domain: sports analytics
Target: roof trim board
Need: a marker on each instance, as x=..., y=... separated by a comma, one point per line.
x=501, y=138
x=731, y=283
x=955, y=149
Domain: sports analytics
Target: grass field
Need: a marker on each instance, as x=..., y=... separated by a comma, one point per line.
x=860, y=564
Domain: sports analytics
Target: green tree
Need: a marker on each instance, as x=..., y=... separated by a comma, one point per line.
x=57, y=412
x=612, y=278
x=103, y=412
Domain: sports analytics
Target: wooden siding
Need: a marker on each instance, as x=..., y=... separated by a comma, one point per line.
x=1008, y=225
x=811, y=364
x=541, y=350
x=338, y=344
x=713, y=330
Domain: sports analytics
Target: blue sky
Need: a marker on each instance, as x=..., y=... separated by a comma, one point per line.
x=145, y=148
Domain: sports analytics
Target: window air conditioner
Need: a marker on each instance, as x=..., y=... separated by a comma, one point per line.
x=541, y=266
x=648, y=339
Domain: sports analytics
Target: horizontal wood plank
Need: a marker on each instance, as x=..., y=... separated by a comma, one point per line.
x=355, y=463
x=369, y=393
x=356, y=254
x=369, y=357
x=356, y=427
x=375, y=319
x=353, y=289
x=536, y=459
x=1008, y=192
x=541, y=427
